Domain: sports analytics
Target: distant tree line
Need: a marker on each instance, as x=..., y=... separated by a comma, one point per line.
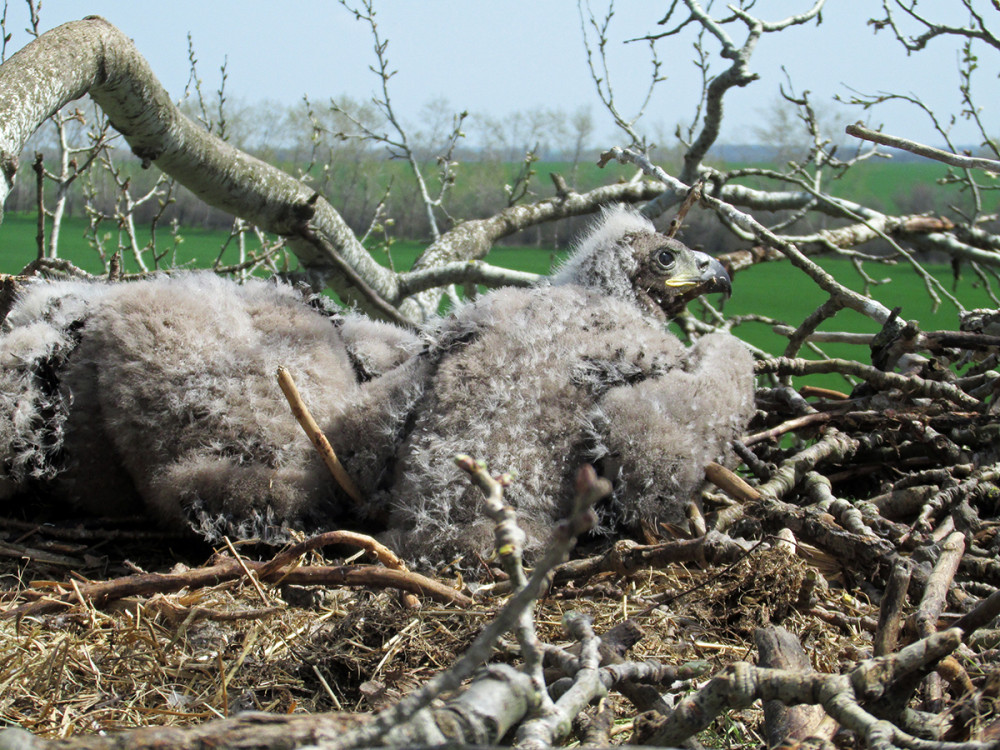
x=326, y=146
x=494, y=162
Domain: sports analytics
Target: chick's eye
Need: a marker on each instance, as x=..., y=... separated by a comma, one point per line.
x=665, y=258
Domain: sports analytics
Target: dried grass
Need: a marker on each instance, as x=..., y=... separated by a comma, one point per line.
x=188, y=657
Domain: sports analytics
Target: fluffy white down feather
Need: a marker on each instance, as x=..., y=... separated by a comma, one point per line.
x=162, y=395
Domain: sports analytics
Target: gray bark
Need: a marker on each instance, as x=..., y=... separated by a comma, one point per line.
x=93, y=57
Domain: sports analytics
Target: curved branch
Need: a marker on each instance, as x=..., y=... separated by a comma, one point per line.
x=737, y=75
x=473, y=239
x=93, y=57
x=911, y=384
x=463, y=272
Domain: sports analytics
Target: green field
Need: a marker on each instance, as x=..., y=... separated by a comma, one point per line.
x=773, y=290
x=886, y=186
x=200, y=247
x=780, y=291
x=893, y=187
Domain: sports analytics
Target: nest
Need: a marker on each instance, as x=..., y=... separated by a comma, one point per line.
x=184, y=658
x=855, y=514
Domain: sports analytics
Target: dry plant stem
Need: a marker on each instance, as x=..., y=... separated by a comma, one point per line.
x=847, y=623
x=510, y=545
x=790, y=426
x=316, y=436
x=229, y=569
x=730, y=482
x=694, y=194
x=590, y=489
x=912, y=227
x=626, y=557
x=827, y=393
x=495, y=702
x=826, y=337
x=463, y=272
x=955, y=160
x=384, y=555
x=740, y=685
x=890, y=616
x=250, y=575
x=178, y=614
x=286, y=557
x=910, y=384
x=867, y=553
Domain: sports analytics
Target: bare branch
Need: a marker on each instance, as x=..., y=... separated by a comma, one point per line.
x=872, y=308
x=933, y=29
x=462, y=272
x=108, y=67
x=737, y=75
x=879, y=378
x=858, y=130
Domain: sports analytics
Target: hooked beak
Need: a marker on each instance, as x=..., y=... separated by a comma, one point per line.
x=711, y=277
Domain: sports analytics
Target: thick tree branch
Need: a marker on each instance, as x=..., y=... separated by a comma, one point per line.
x=462, y=272
x=93, y=57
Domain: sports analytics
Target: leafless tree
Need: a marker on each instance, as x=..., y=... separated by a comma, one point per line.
x=333, y=255
x=767, y=222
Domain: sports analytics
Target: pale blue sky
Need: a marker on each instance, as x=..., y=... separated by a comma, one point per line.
x=497, y=57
